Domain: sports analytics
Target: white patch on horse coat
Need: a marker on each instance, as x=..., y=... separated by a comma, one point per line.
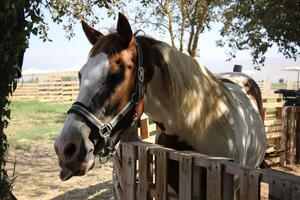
x=204, y=113
x=93, y=75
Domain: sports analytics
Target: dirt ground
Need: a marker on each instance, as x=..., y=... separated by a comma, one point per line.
x=37, y=177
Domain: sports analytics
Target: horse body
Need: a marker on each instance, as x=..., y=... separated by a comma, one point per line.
x=214, y=118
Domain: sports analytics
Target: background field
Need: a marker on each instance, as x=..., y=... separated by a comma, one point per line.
x=33, y=121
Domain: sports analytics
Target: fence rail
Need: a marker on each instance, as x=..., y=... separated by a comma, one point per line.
x=50, y=87
x=140, y=172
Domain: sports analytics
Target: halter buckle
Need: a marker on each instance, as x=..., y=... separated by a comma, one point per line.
x=141, y=73
x=105, y=131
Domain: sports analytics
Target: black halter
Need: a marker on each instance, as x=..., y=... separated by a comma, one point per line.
x=106, y=148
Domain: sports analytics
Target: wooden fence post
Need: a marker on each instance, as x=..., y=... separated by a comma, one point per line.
x=144, y=128
x=297, y=141
x=214, y=180
x=144, y=172
x=284, y=136
x=161, y=175
x=129, y=171
x=185, y=177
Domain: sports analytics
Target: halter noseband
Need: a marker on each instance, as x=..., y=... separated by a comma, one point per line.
x=106, y=130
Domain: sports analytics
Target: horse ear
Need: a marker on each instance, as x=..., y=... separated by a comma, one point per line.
x=124, y=29
x=92, y=34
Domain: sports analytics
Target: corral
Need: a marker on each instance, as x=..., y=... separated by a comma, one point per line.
x=139, y=166
x=140, y=173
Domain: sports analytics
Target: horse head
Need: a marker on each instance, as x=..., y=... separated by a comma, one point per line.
x=111, y=87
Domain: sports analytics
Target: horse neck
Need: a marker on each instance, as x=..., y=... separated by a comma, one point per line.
x=182, y=92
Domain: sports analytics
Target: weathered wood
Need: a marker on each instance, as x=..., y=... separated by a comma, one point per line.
x=228, y=187
x=297, y=136
x=144, y=172
x=253, y=185
x=144, y=128
x=279, y=189
x=219, y=176
x=199, y=182
x=118, y=170
x=129, y=171
x=185, y=177
x=161, y=178
x=285, y=115
x=117, y=189
x=214, y=181
x=295, y=191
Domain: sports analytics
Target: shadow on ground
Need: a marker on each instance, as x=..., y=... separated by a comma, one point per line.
x=93, y=192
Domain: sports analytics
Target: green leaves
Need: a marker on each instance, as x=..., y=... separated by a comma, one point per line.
x=258, y=24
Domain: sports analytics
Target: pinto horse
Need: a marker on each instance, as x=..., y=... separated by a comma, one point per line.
x=126, y=75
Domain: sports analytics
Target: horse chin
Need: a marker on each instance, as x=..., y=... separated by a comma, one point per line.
x=66, y=173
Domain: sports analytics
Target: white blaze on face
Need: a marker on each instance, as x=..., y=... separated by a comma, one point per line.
x=93, y=75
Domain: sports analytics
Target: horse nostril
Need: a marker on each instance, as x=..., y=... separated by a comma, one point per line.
x=69, y=150
x=91, y=150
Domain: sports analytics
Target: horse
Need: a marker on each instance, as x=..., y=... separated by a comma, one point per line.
x=126, y=75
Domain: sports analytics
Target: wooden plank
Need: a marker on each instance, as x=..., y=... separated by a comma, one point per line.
x=254, y=185
x=199, y=182
x=214, y=181
x=227, y=192
x=144, y=129
x=286, y=115
x=161, y=177
x=295, y=191
x=272, y=104
x=185, y=177
x=117, y=188
x=297, y=136
x=292, y=138
x=144, y=173
x=118, y=170
x=129, y=171
x=272, y=122
x=279, y=189
x=274, y=135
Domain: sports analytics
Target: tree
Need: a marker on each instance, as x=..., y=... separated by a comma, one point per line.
x=255, y=25
x=259, y=24
x=183, y=20
x=18, y=20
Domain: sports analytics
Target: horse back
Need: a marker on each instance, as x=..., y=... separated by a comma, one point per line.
x=247, y=96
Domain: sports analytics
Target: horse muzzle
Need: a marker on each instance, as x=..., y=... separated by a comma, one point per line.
x=74, y=150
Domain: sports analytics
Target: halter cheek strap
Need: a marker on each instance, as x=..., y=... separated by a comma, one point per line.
x=131, y=112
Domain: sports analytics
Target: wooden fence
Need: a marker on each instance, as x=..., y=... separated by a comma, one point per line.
x=50, y=87
x=140, y=172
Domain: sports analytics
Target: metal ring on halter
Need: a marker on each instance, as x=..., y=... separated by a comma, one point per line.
x=141, y=74
x=105, y=131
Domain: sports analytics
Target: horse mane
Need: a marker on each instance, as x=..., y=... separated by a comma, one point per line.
x=197, y=92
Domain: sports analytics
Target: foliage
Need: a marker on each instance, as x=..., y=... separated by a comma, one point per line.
x=18, y=20
x=13, y=42
x=250, y=24
x=183, y=20
x=259, y=24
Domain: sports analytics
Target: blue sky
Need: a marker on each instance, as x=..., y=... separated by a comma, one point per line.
x=62, y=54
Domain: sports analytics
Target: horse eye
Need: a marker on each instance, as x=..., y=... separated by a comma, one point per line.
x=115, y=77
x=118, y=61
